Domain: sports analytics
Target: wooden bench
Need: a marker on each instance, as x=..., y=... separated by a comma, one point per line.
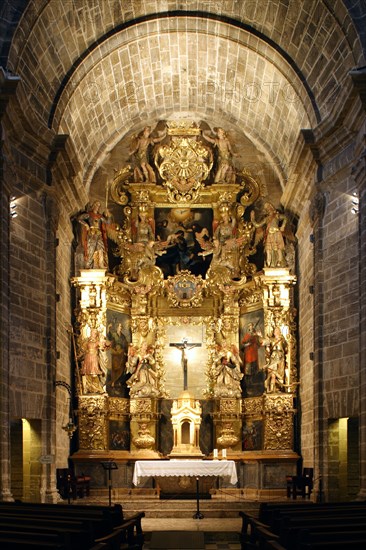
x=80, y=532
x=122, y=538
x=284, y=524
x=96, y=521
x=291, y=533
x=27, y=539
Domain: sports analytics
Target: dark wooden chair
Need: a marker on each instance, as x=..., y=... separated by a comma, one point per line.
x=71, y=486
x=300, y=485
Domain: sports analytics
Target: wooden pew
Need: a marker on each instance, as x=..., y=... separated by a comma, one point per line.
x=27, y=539
x=98, y=521
x=122, y=538
x=291, y=533
x=283, y=523
x=79, y=533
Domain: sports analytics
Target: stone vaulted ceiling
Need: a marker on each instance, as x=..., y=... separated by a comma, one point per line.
x=101, y=70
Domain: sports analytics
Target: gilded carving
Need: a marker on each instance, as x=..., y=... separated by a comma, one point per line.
x=227, y=437
x=252, y=406
x=278, y=432
x=184, y=163
x=278, y=421
x=93, y=422
x=144, y=439
x=118, y=294
x=251, y=189
x=221, y=217
x=228, y=406
x=278, y=404
x=141, y=406
x=122, y=177
x=118, y=406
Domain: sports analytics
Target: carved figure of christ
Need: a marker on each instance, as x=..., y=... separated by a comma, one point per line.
x=184, y=346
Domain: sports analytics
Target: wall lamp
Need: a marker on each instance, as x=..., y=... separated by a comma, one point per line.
x=355, y=203
x=70, y=427
x=13, y=208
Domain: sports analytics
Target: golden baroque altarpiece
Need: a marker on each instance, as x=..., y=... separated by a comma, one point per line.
x=200, y=264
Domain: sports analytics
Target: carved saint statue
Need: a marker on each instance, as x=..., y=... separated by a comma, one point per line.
x=227, y=371
x=274, y=244
x=94, y=236
x=141, y=363
x=276, y=367
x=91, y=371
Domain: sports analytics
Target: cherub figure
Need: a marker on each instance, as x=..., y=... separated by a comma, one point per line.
x=140, y=148
x=225, y=170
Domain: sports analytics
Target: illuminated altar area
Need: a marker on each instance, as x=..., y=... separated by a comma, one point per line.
x=185, y=286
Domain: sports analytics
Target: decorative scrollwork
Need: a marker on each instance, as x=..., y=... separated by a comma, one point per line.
x=117, y=189
x=251, y=190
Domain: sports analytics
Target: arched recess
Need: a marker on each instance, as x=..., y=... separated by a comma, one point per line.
x=126, y=84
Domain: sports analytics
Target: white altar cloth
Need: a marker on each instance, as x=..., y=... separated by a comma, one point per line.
x=180, y=467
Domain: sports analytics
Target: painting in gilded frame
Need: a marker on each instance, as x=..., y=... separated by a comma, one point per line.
x=185, y=230
x=119, y=338
x=252, y=353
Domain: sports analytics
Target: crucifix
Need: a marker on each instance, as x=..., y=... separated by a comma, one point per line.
x=184, y=346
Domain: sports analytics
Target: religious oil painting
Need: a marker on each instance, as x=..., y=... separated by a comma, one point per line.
x=185, y=232
x=253, y=435
x=119, y=435
x=118, y=340
x=252, y=352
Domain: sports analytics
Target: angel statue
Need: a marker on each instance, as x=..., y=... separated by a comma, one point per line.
x=140, y=151
x=225, y=245
x=274, y=224
x=225, y=171
x=144, y=249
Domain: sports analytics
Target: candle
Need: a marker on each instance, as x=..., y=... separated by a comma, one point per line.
x=224, y=454
x=216, y=453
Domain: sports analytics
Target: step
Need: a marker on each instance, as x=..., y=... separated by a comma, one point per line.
x=221, y=505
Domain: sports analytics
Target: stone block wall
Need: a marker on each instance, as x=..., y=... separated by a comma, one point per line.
x=306, y=343
x=28, y=314
x=341, y=302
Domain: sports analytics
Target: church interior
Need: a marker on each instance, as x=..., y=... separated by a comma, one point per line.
x=183, y=271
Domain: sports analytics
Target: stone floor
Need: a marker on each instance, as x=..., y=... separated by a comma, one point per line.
x=221, y=523
x=219, y=533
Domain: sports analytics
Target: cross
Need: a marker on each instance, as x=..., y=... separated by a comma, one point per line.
x=184, y=346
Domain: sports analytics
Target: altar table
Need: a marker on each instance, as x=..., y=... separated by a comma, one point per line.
x=181, y=467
